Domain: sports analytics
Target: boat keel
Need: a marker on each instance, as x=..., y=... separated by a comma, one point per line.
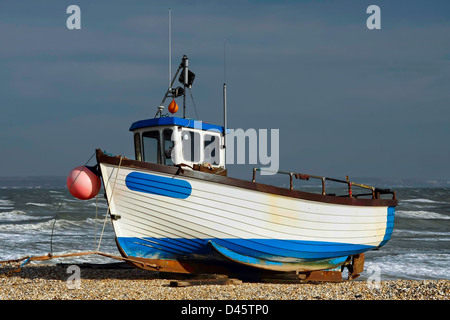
x=175, y=268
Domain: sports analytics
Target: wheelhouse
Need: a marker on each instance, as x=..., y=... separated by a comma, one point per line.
x=178, y=141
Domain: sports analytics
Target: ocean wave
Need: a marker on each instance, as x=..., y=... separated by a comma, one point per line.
x=35, y=226
x=421, y=215
x=420, y=232
x=427, y=239
x=22, y=228
x=420, y=200
x=39, y=204
x=411, y=265
x=101, y=205
x=14, y=216
x=5, y=202
x=421, y=235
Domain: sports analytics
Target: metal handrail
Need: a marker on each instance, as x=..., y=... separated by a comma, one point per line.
x=376, y=192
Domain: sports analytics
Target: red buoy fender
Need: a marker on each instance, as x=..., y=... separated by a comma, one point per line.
x=83, y=183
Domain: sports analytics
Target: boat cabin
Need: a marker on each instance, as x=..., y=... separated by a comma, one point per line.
x=176, y=141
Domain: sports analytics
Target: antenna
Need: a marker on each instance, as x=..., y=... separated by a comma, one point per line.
x=170, y=48
x=224, y=103
x=224, y=61
x=161, y=106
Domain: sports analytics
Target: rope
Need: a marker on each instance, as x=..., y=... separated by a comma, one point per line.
x=57, y=212
x=53, y=227
x=193, y=103
x=95, y=221
x=50, y=256
x=109, y=204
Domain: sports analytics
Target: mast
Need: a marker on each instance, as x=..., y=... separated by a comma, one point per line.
x=186, y=75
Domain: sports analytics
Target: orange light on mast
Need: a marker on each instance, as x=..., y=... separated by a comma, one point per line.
x=173, y=107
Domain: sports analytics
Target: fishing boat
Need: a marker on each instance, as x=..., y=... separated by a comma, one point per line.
x=175, y=209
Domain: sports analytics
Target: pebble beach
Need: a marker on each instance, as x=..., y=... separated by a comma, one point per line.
x=50, y=282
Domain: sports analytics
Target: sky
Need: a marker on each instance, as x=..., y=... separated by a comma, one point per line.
x=347, y=100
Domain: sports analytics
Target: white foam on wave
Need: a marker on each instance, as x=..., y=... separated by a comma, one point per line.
x=420, y=200
x=420, y=215
x=39, y=204
x=5, y=202
x=15, y=224
x=14, y=215
x=100, y=205
x=428, y=236
x=25, y=228
x=420, y=233
x=412, y=265
x=431, y=239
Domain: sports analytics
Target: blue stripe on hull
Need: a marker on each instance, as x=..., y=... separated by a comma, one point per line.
x=163, y=186
x=267, y=249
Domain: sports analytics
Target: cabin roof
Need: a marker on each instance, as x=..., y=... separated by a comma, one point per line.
x=167, y=121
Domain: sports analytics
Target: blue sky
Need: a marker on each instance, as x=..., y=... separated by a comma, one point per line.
x=347, y=100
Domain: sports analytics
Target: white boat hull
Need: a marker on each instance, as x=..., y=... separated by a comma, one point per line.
x=176, y=217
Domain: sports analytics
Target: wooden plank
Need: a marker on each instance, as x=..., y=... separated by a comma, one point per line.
x=313, y=276
x=200, y=282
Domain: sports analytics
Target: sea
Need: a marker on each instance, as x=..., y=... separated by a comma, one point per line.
x=38, y=216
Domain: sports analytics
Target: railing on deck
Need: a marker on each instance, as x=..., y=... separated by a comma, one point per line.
x=375, y=192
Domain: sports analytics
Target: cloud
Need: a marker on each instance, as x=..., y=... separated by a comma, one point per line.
x=335, y=89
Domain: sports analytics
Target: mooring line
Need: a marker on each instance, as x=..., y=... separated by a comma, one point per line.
x=50, y=256
x=60, y=205
x=109, y=204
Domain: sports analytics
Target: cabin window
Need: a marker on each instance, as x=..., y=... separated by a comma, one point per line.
x=211, y=150
x=191, y=145
x=151, y=145
x=167, y=147
x=137, y=146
